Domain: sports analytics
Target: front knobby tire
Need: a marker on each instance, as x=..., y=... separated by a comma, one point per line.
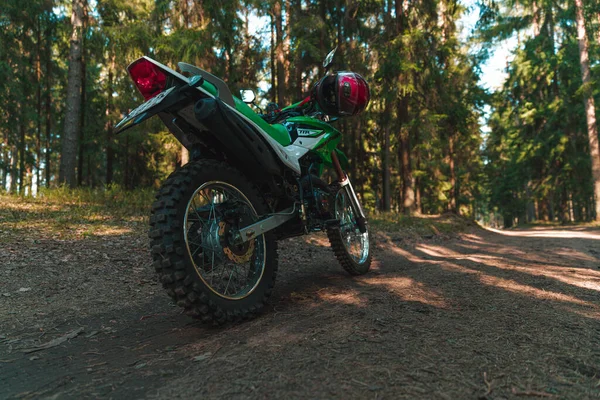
x=351, y=247
x=191, y=240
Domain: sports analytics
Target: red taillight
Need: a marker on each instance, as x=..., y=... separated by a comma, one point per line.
x=148, y=78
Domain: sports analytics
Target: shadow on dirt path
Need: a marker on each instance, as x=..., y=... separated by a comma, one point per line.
x=486, y=315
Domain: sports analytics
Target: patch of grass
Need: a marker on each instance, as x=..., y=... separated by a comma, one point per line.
x=74, y=213
x=424, y=225
x=85, y=212
x=113, y=198
x=556, y=225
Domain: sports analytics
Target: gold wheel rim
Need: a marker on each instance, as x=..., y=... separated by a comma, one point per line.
x=258, y=245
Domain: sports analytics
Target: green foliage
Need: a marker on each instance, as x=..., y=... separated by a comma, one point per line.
x=537, y=159
x=424, y=91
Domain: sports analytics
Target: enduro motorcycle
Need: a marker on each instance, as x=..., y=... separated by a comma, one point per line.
x=254, y=178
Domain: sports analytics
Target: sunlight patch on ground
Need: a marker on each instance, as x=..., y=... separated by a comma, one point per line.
x=515, y=287
x=438, y=251
x=574, y=276
x=318, y=240
x=580, y=277
x=585, y=313
x=105, y=230
x=408, y=255
x=11, y=204
x=558, y=234
x=349, y=298
x=409, y=290
x=473, y=238
x=274, y=338
x=513, y=256
x=574, y=254
x=59, y=230
x=376, y=265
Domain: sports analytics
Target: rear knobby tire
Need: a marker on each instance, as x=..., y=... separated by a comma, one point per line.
x=172, y=260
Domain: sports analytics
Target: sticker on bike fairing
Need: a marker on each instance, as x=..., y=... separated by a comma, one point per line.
x=308, y=132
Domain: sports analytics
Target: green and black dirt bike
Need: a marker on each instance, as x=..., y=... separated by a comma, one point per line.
x=253, y=179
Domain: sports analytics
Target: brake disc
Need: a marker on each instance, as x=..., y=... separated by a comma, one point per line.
x=238, y=254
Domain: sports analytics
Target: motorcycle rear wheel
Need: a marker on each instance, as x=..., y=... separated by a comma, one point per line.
x=194, y=222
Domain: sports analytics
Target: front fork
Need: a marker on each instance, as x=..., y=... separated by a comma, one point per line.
x=344, y=181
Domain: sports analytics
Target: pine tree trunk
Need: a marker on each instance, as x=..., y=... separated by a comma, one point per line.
x=563, y=215
x=110, y=151
x=386, y=169
x=73, y=102
x=598, y=31
x=48, y=109
x=340, y=31
x=279, y=53
x=536, y=18
x=530, y=203
x=273, y=65
x=452, y=205
x=418, y=198
x=126, y=169
x=408, y=182
x=13, y=168
x=287, y=49
x=551, y=207
x=408, y=193
x=90, y=177
x=5, y=161
x=80, y=158
x=28, y=181
x=22, y=152
x=323, y=33
x=590, y=109
x=571, y=207
x=38, y=132
x=298, y=61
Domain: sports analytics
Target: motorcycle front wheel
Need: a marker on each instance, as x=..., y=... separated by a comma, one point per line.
x=195, y=243
x=351, y=247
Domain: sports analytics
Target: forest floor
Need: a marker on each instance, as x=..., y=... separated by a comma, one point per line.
x=471, y=314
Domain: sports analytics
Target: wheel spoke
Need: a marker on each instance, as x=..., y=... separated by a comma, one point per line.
x=208, y=233
x=202, y=193
x=355, y=243
x=195, y=251
x=229, y=280
x=195, y=208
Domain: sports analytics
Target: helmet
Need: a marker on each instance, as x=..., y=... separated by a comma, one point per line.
x=342, y=93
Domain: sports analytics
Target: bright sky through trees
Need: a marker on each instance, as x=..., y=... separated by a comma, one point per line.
x=494, y=69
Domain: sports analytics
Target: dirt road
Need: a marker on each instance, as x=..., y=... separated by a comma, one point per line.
x=484, y=315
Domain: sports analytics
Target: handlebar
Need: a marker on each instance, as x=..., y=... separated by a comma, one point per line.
x=300, y=104
x=292, y=110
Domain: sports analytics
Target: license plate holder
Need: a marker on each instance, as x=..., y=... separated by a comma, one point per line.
x=144, y=111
